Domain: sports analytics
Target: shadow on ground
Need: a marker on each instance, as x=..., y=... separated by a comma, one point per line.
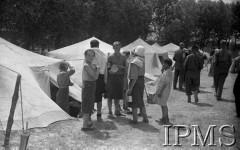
x=202, y=104
x=146, y=127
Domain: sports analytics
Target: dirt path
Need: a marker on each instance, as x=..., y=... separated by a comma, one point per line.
x=119, y=134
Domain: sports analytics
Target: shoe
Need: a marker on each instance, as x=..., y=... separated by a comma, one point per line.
x=129, y=112
x=181, y=89
x=189, y=100
x=145, y=120
x=163, y=120
x=196, y=100
x=140, y=114
x=111, y=116
x=99, y=119
x=174, y=88
x=90, y=125
x=119, y=114
x=238, y=116
x=88, y=129
x=133, y=122
x=125, y=108
x=219, y=98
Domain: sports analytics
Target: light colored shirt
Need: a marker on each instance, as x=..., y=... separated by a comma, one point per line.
x=134, y=71
x=166, y=78
x=90, y=72
x=100, y=59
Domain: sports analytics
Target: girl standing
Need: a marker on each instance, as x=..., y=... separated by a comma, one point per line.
x=63, y=80
x=89, y=76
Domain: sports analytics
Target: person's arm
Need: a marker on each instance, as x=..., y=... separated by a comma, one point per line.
x=93, y=73
x=215, y=59
x=233, y=68
x=229, y=60
x=185, y=63
x=133, y=76
x=160, y=91
x=201, y=62
x=175, y=56
x=131, y=85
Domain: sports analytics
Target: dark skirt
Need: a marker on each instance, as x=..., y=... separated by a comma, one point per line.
x=137, y=93
x=115, y=86
x=236, y=93
x=62, y=99
x=88, y=96
x=100, y=88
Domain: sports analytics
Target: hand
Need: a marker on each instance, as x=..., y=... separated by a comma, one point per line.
x=152, y=83
x=129, y=92
x=160, y=95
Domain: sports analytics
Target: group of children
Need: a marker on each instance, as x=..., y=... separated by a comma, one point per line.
x=125, y=77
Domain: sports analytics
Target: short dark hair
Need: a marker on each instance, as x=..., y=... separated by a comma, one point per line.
x=89, y=50
x=63, y=66
x=168, y=61
x=212, y=53
x=195, y=48
x=126, y=53
x=94, y=43
x=117, y=43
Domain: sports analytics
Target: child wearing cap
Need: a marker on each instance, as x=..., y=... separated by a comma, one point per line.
x=163, y=89
x=63, y=80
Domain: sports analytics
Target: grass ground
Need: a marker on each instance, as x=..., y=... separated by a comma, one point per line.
x=119, y=134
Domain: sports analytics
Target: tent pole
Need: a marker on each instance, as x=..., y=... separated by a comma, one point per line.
x=12, y=110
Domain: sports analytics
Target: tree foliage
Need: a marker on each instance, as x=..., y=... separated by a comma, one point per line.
x=58, y=23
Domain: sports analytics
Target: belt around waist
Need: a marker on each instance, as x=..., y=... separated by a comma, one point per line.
x=62, y=86
x=140, y=76
x=89, y=81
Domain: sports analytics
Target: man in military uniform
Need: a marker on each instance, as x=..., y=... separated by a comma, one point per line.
x=179, y=58
x=193, y=65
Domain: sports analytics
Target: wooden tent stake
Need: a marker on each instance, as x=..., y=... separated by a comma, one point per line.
x=12, y=110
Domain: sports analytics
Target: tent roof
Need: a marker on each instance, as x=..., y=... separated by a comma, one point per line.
x=152, y=63
x=170, y=48
x=156, y=44
x=76, y=51
x=39, y=110
x=139, y=41
x=159, y=50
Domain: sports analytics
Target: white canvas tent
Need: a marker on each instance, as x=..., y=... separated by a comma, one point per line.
x=36, y=71
x=76, y=51
x=170, y=48
x=152, y=63
x=74, y=54
x=159, y=51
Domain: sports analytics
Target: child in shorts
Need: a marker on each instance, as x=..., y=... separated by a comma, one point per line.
x=89, y=76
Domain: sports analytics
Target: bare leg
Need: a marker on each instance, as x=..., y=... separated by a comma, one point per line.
x=165, y=118
x=144, y=114
x=110, y=106
x=85, y=120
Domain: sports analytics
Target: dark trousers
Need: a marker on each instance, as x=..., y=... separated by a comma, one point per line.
x=178, y=73
x=192, y=80
x=236, y=93
x=219, y=79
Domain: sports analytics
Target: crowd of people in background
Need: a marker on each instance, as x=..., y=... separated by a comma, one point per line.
x=121, y=77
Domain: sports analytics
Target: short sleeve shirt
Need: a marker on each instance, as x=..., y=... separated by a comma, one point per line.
x=134, y=71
